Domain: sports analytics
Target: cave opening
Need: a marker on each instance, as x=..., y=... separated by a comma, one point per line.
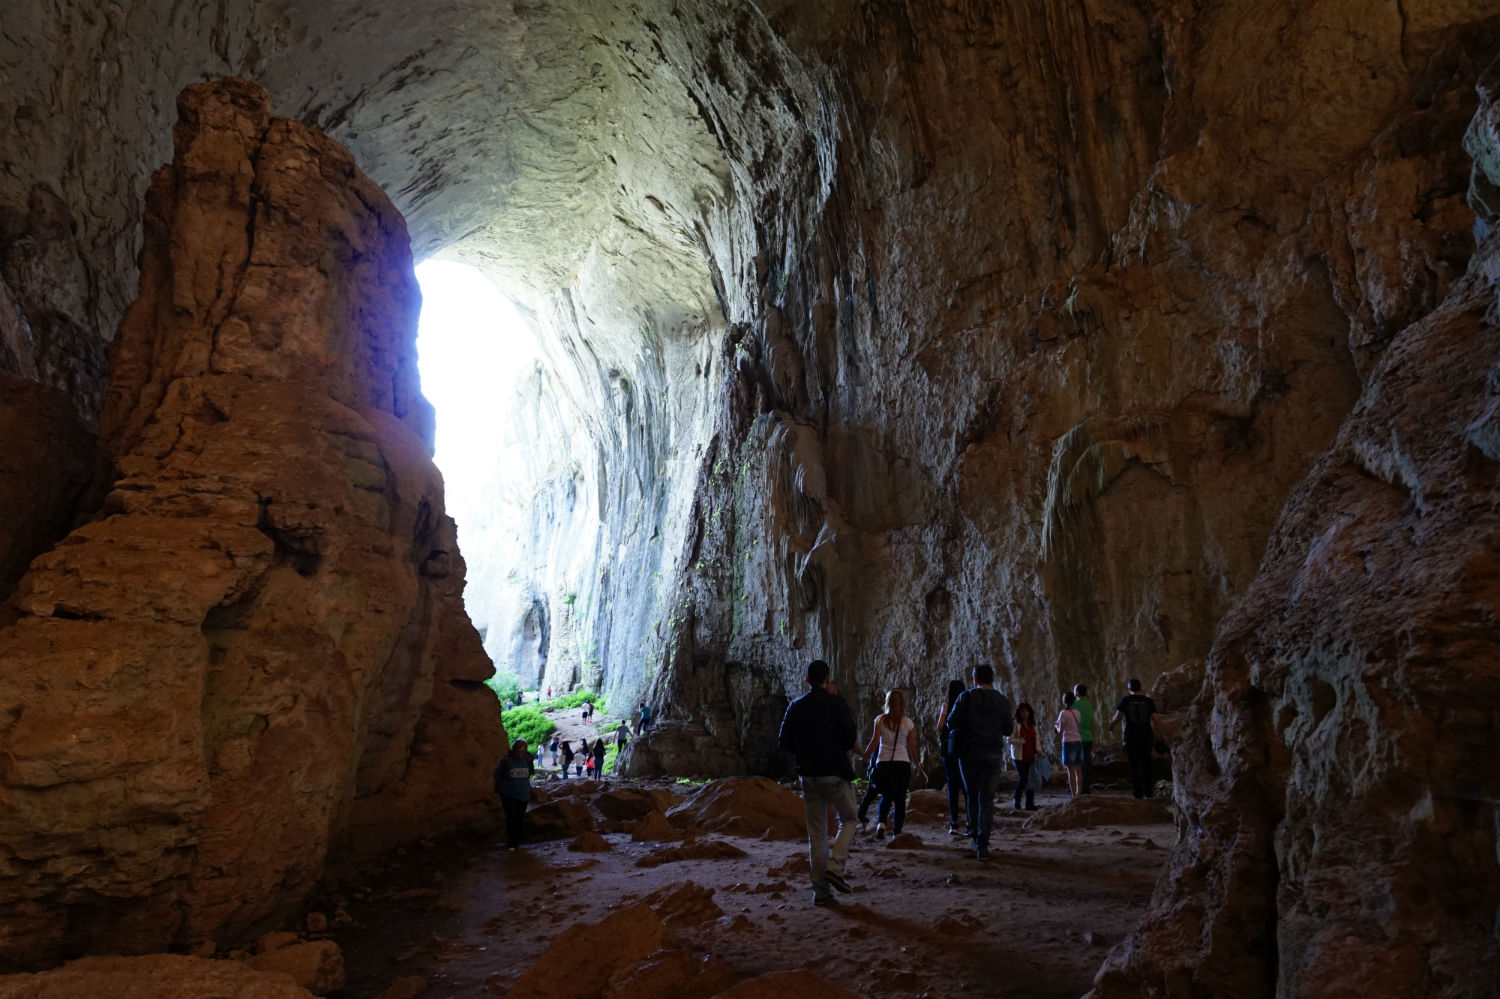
x=485, y=372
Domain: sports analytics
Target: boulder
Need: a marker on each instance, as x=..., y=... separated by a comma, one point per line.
x=753, y=807
x=152, y=976
x=589, y=842
x=655, y=828
x=560, y=819
x=687, y=904
x=317, y=966
x=1091, y=810
x=582, y=961
x=695, y=849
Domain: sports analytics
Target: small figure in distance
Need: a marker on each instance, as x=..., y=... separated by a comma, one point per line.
x=567, y=753
x=1072, y=744
x=893, y=745
x=549, y=692
x=950, y=765
x=599, y=758
x=552, y=750
x=818, y=730
x=513, y=785
x=1139, y=713
x=645, y=718
x=1085, y=709
x=981, y=722
x=1023, y=749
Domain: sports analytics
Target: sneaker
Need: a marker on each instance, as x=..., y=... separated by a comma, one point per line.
x=824, y=897
x=953, y=831
x=880, y=830
x=864, y=823
x=837, y=881
x=982, y=852
x=1033, y=808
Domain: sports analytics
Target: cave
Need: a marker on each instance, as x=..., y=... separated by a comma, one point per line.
x=1091, y=341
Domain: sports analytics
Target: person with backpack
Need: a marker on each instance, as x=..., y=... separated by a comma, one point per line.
x=1139, y=714
x=893, y=745
x=568, y=754
x=951, y=776
x=981, y=723
x=1068, y=722
x=552, y=750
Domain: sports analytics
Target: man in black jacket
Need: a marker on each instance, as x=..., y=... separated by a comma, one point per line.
x=818, y=730
x=980, y=722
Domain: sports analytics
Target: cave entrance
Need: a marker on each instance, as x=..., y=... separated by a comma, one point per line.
x=485, y=371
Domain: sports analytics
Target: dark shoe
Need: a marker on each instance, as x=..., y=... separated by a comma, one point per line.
x=880, y=830
x=823, y=898
x=953, y=831
x=837, y=881
x=1033, y=808
x=982, y=852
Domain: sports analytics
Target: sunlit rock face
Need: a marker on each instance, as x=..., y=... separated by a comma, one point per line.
x=911, y=336
x=255, y=652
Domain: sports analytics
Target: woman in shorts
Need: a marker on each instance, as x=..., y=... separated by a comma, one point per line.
x=1069, y=723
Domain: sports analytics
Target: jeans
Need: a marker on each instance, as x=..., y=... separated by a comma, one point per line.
x=893, y=779
x=1139, y=756
x=515, y=819
x=981, y=780
x=1088, y=767
x=1023, y=776
x=822, y=856
x=955, y=781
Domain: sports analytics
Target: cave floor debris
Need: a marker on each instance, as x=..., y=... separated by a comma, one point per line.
x=1037, y=919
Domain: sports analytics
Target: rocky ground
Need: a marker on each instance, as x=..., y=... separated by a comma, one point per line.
x=658, y=888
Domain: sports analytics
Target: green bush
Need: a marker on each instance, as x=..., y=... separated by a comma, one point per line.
x=527, y=722
x=507, y=686
x=575, y=699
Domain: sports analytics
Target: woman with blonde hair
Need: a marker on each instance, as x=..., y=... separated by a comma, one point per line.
x=893, y=746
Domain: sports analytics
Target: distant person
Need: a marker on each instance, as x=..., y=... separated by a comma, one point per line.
x=645, y=717
x=818, y=730
x=513, y=785
x=552, y=749
x=520, y=697
x=1085, y=709
x=954, y=779
x=1139, y=713
x=981, y=723
x=549, y=693
x=588, y=763
x=1023, y=750
x=1067, y=724
x=599, y=757
x=567, y=753
x=622, y=739
x=893, y=745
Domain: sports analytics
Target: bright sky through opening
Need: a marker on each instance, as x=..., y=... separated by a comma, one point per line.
x=472, y=348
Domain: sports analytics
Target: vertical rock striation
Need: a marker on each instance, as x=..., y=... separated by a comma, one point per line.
x=255, y=653
x=1335, y=783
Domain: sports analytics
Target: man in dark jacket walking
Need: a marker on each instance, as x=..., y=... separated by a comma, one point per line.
x=818, y=730
x=980, y=722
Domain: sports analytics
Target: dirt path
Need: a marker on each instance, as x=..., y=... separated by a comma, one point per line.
x=572, y=728
x=929, y=920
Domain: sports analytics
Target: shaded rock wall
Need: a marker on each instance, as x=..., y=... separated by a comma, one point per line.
x=1338, y=831
x=255, y=653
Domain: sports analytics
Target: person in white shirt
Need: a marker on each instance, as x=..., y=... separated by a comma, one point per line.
x=893, y=746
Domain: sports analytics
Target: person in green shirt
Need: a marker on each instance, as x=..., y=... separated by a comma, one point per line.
x=1085, y=709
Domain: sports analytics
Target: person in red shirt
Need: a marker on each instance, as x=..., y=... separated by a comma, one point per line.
x=1023, y=753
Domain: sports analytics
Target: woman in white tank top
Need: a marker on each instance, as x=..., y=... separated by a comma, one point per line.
x=893, y=745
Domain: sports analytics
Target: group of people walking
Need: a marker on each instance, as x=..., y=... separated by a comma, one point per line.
x=978, y=730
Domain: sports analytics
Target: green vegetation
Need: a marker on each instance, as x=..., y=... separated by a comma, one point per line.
x=690, y=781
x=529, y=723
x=573, y=700
x=607, y=727
x=610, y=752
x=507, y=686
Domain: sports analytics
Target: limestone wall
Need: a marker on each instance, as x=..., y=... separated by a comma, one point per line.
x=255, y=652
